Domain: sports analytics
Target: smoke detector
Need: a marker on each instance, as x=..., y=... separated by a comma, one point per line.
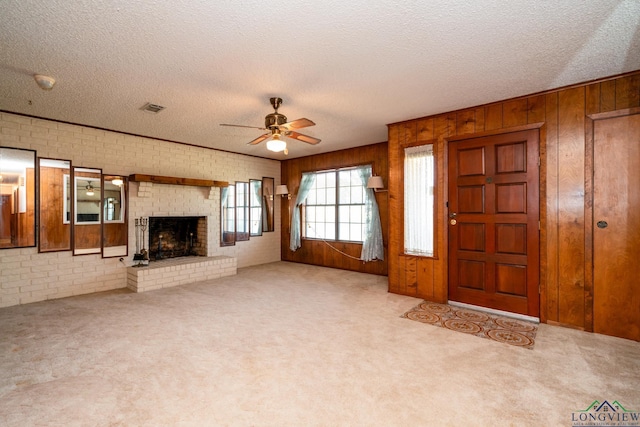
x=45, y=82
x=152, y=108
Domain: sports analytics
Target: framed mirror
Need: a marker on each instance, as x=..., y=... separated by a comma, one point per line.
x=268, y=187
x=255, y=207
x=242, y=211
x=55, y=205
x=87, y=211
x=228, y=215
x=17, y=198
x=114, y=216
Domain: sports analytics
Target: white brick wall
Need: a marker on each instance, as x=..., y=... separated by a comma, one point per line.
x=27, y=276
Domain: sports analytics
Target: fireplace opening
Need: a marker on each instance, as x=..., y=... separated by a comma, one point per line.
x=173, y=237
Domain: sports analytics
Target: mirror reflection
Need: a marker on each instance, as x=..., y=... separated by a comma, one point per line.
x=268, y=186
x=55, y=205
x=242, y=211
x=112, y=201
x=114, y=217
x=255, y=207
x=17, y=198
x=87, y=207
x=228, y=216
x=87, y=210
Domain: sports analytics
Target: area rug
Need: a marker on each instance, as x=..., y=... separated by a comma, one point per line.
x=503, y=329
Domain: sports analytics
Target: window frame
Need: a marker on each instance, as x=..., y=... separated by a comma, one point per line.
x=402, y=147
x=337, y=205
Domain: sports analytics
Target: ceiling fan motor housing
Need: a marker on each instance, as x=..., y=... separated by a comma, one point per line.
x=274, y=120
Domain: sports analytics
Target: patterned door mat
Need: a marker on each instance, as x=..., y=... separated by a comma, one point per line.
x=498, y=328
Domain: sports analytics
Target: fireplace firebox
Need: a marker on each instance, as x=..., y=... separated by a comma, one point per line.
x=172, y=237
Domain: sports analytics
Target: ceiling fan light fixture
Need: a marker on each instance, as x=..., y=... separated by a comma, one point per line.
x=276, y=144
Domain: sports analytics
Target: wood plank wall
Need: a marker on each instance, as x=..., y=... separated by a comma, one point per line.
x=317, y=252
x=561, y=116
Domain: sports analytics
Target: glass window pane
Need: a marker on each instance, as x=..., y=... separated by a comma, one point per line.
x=355, y=214
x=311, y=198
x=343, y=230
x=321, y=198
x=330, y=232
x=357, y=195
x=331, y=196
x=310, y=211
x=355, y=232
x=344, y=196
x=343, y=213
x=330, y=214
x=331, y=180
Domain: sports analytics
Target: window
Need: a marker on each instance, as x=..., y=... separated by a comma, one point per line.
x=335, y=206
x=419, y=189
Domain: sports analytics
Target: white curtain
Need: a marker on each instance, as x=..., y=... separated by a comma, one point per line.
x=372, y=244
x=419, y=186
x=307, y=181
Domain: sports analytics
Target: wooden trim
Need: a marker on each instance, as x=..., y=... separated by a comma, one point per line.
x=589, y=169
x=614, y=114
x=542, y=209
x=493, y=132
x=177, y=181
x=588, y=222
x=499, y=104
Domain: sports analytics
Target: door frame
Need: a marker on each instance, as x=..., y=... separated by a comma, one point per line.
x=542, y=208
x=589, y=128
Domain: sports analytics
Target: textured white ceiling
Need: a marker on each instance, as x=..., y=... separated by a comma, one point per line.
x=350, y=66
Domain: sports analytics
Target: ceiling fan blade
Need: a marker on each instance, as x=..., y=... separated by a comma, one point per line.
x=297, y=124
x=259, y=139
x=242, y=126
x=304, y=138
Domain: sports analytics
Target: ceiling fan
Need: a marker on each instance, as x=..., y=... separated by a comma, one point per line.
x=277, y=126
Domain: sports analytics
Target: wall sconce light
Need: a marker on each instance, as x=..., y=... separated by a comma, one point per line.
x=375, y=183
x=282, y=190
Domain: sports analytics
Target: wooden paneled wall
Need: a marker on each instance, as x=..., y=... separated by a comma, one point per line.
x=315, y=251
x=561, y=117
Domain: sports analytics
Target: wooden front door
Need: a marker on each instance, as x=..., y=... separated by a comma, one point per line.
x=494, y=222
x=616, y=228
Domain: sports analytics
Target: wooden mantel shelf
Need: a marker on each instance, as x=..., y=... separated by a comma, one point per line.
x=177, y=181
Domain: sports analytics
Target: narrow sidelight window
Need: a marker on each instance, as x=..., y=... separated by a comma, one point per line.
x=419, y=189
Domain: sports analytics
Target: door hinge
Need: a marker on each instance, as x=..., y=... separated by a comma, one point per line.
x=538, y=225
x=538, y=161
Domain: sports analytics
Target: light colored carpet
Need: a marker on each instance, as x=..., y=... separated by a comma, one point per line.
x=288, y=344
x=502, y=329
